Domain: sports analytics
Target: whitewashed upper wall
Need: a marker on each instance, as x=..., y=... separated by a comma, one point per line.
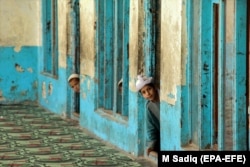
x=133, y=41
x=87, y=28
x=171, y=49
x=230, y=20
x=63, y=23
x=20, y=23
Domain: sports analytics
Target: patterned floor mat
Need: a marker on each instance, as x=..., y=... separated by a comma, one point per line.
x=30, y=136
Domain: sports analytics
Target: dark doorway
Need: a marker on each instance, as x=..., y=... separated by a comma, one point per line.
x=215, y=72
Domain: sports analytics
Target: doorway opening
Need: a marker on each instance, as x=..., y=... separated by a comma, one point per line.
x=215, y=72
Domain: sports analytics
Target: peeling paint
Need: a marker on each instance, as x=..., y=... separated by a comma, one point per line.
x=89, y=84
x=64, y=115
x=17, y=48
x=50, y=88
x=171, y=97
x=1, y=96
x=171, y=54
x=84, y=95
x=44, y=90
x=24, y=93
x=19, y=68
x=13, y=88
x=34, y=86
x=30, y=70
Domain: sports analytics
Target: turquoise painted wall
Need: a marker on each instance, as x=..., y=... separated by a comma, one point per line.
x=53, y=88
x=52, y=92
x=22, y=78
x=18, y=74
x=125, y=134
x=171, y=124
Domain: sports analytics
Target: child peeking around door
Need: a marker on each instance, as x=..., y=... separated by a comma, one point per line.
x=146, y=87
x=74, y=82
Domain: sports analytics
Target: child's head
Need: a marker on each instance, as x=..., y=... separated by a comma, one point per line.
x=146, y=87
x=74, y=82
x=120, y=85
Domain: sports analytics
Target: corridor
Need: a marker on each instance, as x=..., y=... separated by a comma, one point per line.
x=33, y=136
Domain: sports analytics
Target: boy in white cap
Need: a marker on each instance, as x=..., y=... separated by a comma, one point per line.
x=74, y=82
x=120, y=85
x=148, y=90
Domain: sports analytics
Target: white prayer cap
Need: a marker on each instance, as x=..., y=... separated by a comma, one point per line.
x=73, y=76
x=120, y=82
x=142, y=81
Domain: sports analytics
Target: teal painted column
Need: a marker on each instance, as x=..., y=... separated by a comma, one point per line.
x=108, y=53
x=221, y=73
x=240, y=108
x=185, y=95
x=150, y=37
x=125, y=53
x=171, y=124
x=206, y=45
x=73, y=57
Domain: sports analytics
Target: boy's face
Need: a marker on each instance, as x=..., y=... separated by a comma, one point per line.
x=120, y=88
x=74, y=84
x=149, y=93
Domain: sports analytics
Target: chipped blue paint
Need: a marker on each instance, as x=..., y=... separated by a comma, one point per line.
x=21, y=78
x=186, y=88
x=200, y=78
x=99, y=7
x=139, y=109
x=206, y=93
x=239, y=110
x=171, y=96
x=195, y=75
x=56, y=100
x=50, y=37
x=70, y=93
x=171, y=124
x=52, y=79
x=18, y=74
x=125, y=57
x=150, y=23
x=108, y=58
x=125, y=134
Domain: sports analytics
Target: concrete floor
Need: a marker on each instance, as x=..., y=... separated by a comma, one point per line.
x=32, y=136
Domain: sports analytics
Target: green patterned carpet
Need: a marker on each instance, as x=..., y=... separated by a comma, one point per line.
x=33, y=137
